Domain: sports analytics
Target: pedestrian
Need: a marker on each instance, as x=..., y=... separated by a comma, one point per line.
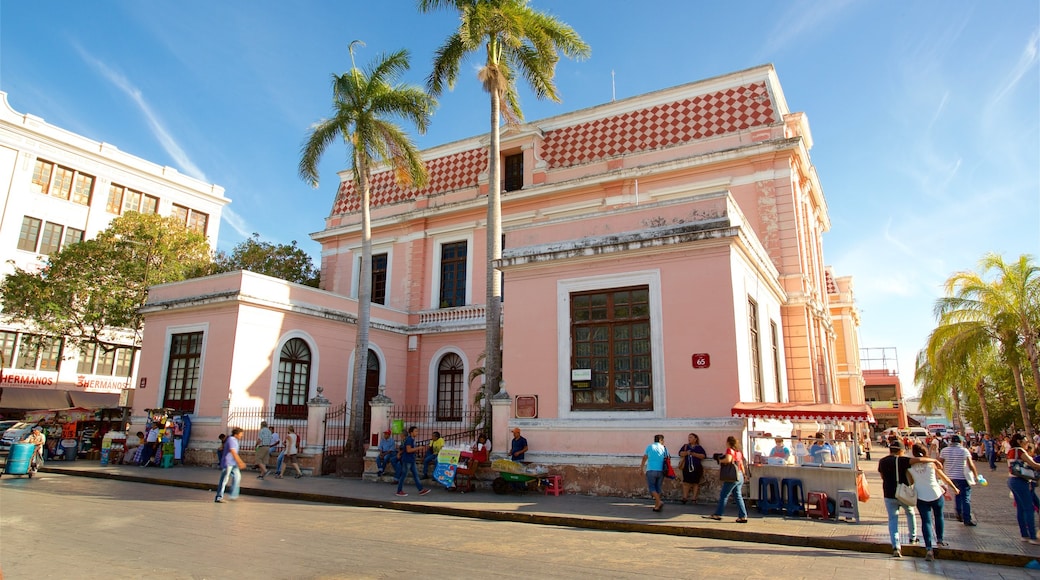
x=732, y=475
x=866, y=446
x=517, y=446
x=957, y=464
x=989, y=448
x=292, y=448
x=653, y=464
x=151, y=444
x=221, y=440
x=893, y=470
x=407, y=462
x=925, y=478
x=387, y=455
x=692, y=469
x=276, y=441
x=1021, y=489
x=231, y=465
x=263, y=449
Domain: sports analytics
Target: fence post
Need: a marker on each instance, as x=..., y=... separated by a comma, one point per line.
x=501, y=411
x=380, y=405
x=225, y=414
x=316, y=411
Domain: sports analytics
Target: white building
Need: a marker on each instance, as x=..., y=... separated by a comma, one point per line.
x=62, y=188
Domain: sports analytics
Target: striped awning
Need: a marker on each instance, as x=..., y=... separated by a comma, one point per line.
x=803, y=412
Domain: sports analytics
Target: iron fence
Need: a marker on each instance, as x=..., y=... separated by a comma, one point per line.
x=249, y=419
x=458, y=430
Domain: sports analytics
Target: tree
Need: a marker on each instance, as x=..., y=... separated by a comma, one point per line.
x=517, y=40
x=285, y=261
x=363, y=102
x=978, y=313
x=92, y=291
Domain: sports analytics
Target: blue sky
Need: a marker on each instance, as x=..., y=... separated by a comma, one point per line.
x=925, y=114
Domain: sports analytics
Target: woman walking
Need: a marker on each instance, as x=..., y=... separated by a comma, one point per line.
x=292, y=448
x=692, y=471
x=1021, y=488
x=653, y=462
x=925, y=478
x=732, y=475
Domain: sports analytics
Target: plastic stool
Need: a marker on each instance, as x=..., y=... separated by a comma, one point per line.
x=816, y=505
x=769, y=495
x=553, y=484
x=848, y=504
x=792, y=496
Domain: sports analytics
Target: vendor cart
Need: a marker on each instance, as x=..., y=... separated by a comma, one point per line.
x=840, y=483
x=513, y=476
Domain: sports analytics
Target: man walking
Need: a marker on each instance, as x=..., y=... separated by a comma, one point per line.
x=957, y=463
x=989, y=447
x=263, y=448
x=407, y=463
x=230, y=467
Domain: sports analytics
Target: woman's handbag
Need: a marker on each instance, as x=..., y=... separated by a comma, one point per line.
x=728, y=472
x=1021, y=470
x=906, y=494
x=669, y=471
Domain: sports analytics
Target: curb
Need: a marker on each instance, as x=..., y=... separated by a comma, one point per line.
x=707, y=532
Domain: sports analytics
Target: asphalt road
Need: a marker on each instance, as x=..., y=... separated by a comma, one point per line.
x=56, y=526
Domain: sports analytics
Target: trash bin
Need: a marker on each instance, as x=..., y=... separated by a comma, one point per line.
x=70, y=447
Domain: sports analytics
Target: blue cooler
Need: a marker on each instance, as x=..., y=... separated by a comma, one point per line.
x=18, y=459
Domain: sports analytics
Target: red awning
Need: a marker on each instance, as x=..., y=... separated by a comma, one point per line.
x=804, y=412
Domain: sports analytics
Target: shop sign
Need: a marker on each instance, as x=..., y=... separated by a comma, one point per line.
x=27, y=378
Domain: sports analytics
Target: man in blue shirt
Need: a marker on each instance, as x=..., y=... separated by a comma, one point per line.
x=518, y=446
x=821, y=451
x=407, y=463
x=387, y=455
x=990, y=449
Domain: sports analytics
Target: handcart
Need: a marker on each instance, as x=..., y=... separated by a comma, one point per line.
x=513, y=476
x=21, y=460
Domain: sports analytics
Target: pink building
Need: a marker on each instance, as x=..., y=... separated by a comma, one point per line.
x=663, y=260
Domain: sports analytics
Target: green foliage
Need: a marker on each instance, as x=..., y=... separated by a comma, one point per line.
x=985, y=346
x=285, y=261
x=91, y=290
x=364, y=103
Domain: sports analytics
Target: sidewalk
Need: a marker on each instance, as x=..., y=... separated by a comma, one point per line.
x=994, y=541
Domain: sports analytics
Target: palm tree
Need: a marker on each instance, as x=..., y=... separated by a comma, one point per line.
x=518, y=40
x=942, y=371
x=976, y=314
x=363, y=102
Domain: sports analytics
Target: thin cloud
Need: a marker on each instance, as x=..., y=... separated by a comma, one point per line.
x=166, y=140
x=799, y=21
x=1026, y=61
x=237, y=222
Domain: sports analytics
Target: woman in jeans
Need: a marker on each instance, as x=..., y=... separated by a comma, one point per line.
x=1021, y=489
x=925, y=478
x=734, y=456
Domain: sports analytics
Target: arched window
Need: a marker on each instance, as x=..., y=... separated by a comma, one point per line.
x=449, y=388
x=294, y=376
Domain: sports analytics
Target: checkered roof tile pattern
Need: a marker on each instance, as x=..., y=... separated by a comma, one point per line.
x=700, y=117
x=448, y=173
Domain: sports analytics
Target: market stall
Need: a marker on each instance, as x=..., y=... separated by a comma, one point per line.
x=836, y=477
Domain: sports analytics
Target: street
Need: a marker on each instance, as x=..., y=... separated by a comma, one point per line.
x=56, y=526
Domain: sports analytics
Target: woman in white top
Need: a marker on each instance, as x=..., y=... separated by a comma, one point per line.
x=292, y=448
x=925, y=477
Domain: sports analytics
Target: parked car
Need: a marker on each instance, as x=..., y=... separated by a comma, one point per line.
x=15, y=433
x=7, y=424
